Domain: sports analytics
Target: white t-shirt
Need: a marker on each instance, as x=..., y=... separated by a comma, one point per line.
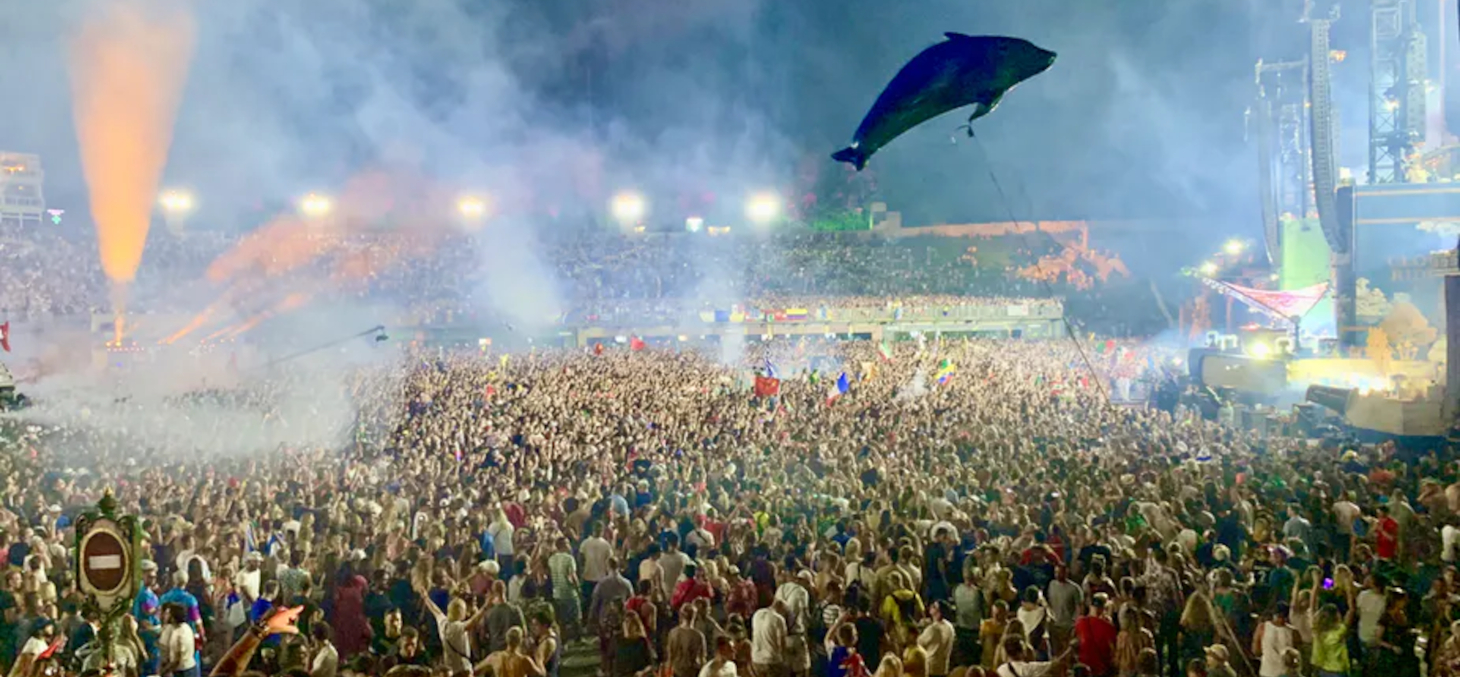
x=596, y=553
x=1449, y=536
x=937, y=640
x=178, y=644
x=1275, y=640
x=326, y=662
x=189, y=555
x=726, y=669
x=501, y=532
x=34, y=647
x=1024, y=669
x=672, y=563
x=248, y=583
x=455, y=643
x=1370, y=605
x=767, y=637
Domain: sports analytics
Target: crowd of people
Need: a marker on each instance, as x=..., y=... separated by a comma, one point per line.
x=442, y=277
x=957, y=507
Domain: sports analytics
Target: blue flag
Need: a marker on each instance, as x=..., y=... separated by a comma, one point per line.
x=842, y=384
x=770, y=369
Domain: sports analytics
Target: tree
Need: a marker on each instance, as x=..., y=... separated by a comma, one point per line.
x=1408, y=330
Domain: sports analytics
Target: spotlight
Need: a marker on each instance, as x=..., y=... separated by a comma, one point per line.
x=693, y=224
x=763, y=208
x=1208, y=269
x=629, y=207
x=314, y=205
x=1234, y=247
x=471, y=207
x=176, y=202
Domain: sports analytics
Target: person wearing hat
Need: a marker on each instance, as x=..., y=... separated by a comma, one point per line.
x=1218, y=664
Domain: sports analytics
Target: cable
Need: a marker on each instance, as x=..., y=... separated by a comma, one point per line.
x=378, y=330
x=1074, y=337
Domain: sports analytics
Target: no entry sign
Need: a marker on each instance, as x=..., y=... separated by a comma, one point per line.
x=106, y=566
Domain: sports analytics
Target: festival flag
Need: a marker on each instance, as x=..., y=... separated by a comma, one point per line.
x=770, y=369
x=767, y=386
x=504, y=359
x=839, y=388
x=885, y=351
x=636, y=344
x=945, y=371
x=5, y=335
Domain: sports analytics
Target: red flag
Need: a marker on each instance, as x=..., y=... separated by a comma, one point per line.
x=5, y=336
x=766, y=386
x=598, y=349
x=635, y=343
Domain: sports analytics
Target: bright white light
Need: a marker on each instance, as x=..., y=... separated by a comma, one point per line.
x=1234, y=247
x=176, y=202
x=762, y=208
x=315, y=205
x=471, y=207
x=1261, y=350
x=1209, y=269
x=693, y=224
x=629, y=207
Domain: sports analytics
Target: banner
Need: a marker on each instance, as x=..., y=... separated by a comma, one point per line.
x=1281, y=305
x=1018, y=311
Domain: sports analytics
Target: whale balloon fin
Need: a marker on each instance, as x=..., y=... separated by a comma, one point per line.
x=957, y=36
x=851, y=155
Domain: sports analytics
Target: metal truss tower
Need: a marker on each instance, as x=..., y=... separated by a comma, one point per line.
x=1281, y=111
x=1396, y=89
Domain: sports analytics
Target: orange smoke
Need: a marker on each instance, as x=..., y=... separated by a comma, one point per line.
x=128, y=66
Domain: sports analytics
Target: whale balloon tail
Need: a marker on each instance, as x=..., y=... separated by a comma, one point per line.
x=851, y=155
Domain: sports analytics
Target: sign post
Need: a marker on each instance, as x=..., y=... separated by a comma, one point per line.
x=108, y=572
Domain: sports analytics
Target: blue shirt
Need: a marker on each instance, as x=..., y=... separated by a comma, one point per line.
x=489, y=546
x=146, y=606
x=187, y=601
